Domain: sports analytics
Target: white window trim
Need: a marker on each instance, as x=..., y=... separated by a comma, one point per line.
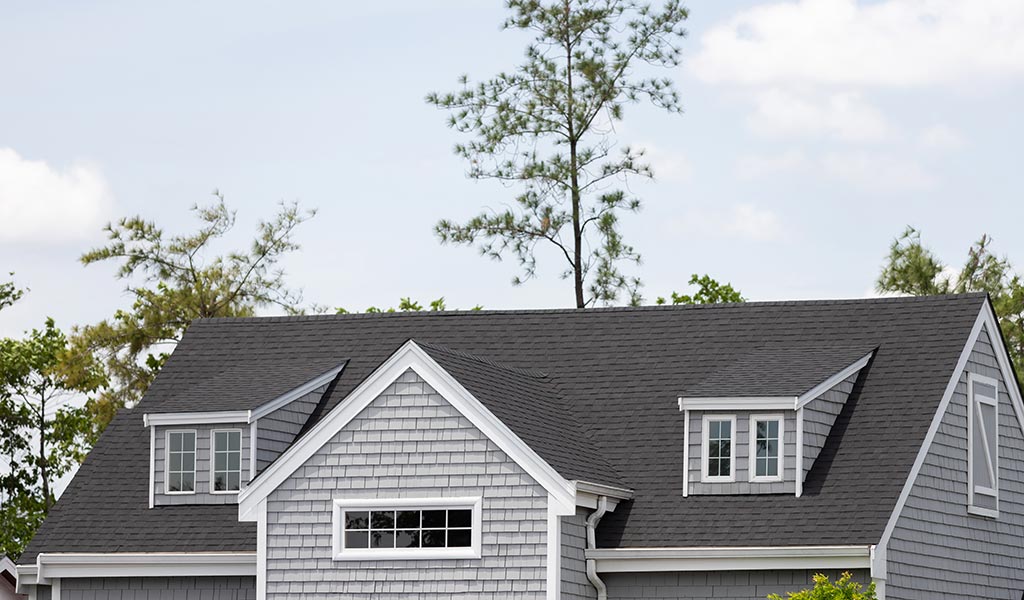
x=752, y=453
x=972, y=402
x=704, y=440
x=167, y=462
x=342, y=504
x=213, y=460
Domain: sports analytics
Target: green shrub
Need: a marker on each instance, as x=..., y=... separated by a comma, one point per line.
x=824, y=589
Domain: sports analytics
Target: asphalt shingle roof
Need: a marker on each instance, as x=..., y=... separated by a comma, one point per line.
x=620, y=372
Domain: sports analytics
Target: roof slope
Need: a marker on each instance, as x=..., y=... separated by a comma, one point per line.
x=620, y=371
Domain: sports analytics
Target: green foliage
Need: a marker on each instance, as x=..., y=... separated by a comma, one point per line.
x=547, y=126
x=9, y=294
x=178, y=284
x=824, y=589
x=406, y=305
x=43, y=434
x=709, y=291
x=912, y=268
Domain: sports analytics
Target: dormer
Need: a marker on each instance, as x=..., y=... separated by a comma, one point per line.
x=758, y=424
x=210, y=456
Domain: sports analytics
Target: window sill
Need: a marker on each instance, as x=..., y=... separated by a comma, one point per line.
x=983, y=512
x=766, y=480
x=192, y=493
x=718, y=480
x=408, y=554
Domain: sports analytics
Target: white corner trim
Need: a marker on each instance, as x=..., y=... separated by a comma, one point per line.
x=738, y=403
x=298, y=392
x=705, y=435
x=752, y=449
x=986, y=319
x=261, y=551
x=833, y=381
x=800, y=474
x=686, y=450
x=253, y=434
x=554, y=552
x=152, y=466
x=55, y=589
x=409, y=356
x=223, y=417
x=139, y=564
x=340, y=505
x=637, y=560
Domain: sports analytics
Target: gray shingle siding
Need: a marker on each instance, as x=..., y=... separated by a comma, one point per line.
x=409, y=442
x=820, y=415
x=204, y=442
x=722, y=585
x=742, y=484
x=574, y=563
x=276, y=431
x=159, y=588
x=937, y=549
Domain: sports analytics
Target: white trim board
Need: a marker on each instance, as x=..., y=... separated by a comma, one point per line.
x=738, y=403
x=637, y=560
x=833, y=381
x=288, y=397
x=137, y=564
x=409, y=356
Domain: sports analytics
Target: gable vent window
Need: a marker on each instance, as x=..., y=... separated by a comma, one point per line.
x=227, y=461
x=983, y=445
x=407, y=528
x=766, y=447
x=719, y=449
x=181, y=462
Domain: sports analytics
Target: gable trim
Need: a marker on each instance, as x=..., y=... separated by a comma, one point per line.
x=136, y=564
x=300, y=391
x=986, y=321
x=197, y=418
x=409, y=356
x=833, y=381
x=738, y=403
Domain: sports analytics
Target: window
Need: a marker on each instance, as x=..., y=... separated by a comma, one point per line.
x=227, y=461
x=983, y=445
x=407, y=528
x=766, y=437
x=181, y=462
x=719, y=449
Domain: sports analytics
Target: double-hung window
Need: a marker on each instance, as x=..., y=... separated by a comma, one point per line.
x=227, y=461
x=766, y=437
x=181, y=462
x=407, y=528
x=718, y=449
x=983, y=445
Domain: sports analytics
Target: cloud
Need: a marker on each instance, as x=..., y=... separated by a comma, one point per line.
x=668, y=165
x=876, y=172
x=44, y=205
x=845, y=116
x=940, y=138
x=743, y=221
x=897, y=43
x=757, y=166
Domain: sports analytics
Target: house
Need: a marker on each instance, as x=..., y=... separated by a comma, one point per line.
x=8, y=579
x=722, y=451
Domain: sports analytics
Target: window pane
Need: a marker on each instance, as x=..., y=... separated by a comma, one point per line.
x=433, y=538
x=189, y=442
x=382, y=539
x=188, y=482
x=713, y=430
x=773, y=429
x=409, y=519
x=234, y=481
x=357, y=520
x=460, y=518
x=773, y=448
x=773, y=467
x=174, y=442
x=762, y=429
x=726, y=429
x=407, y=538
x=382, y=520
x=357, y=539
x=433, y=518
x=723, y=467
x=235, y=441
x=219, y=485
x=220, y=461
x=174, y=482
x=220, y=440
x=234, y=461
x=459, y=538
x=175, y=461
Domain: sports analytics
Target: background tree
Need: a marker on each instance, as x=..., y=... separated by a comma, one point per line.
x=912, y=268
x=44, y=432
x=174, y=279
x=824, y=589
x=709, y=291
x=407, y=305
x=548, y=126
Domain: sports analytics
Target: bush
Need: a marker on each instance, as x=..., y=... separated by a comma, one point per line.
x=824, y=589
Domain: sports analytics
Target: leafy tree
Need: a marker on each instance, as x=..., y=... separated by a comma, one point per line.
x=406, y=305
x=914, y=269
x=709, y=291
x=548, y=126
x=9, y=294
x=824, y=589
x=180, y=282
x=43, y=433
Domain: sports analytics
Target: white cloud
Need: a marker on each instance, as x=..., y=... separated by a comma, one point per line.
x=846, y=116
x=744, y=221
x=876, y=172
x=41, y=204
x=668, y=165
x=940, y=138
x=849, y=43
x=757, y=166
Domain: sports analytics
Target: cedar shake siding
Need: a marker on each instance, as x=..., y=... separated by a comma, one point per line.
x=725, y=585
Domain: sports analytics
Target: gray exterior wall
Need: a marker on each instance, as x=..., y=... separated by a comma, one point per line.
x=159, y=588
x=742, y=484
x=409, y=442
x=939, y=551
x=204, y=442
x=820, y=415
x=276, y=431
x=574, y=562
x=724, y=585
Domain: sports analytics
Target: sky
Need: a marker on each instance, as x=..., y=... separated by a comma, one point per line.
x=814, y=131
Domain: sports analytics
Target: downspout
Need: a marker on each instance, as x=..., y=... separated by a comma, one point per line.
x=592, y=521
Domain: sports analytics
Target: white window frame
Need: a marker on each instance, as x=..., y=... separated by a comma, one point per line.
x=167, y=462
x=752, y=453
x=705, y=440
x=213, y=459
x=972, y=413
x=341, y=505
